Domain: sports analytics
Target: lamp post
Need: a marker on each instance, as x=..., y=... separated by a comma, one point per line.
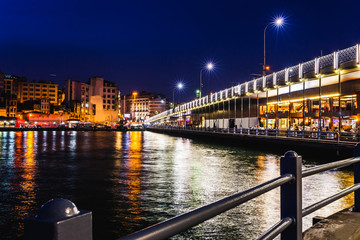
x=178, y=86
x=277, y=22
x=209, y=67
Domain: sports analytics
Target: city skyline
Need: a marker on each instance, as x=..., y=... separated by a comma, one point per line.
x=153, y=46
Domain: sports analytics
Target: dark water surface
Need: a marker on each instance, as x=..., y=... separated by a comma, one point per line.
x=135, y=179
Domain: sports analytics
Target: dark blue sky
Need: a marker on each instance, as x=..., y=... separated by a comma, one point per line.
x=150, y=45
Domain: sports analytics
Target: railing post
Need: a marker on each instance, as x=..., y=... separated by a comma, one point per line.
x=357, y=179
x=59, y=219
x=291, y=195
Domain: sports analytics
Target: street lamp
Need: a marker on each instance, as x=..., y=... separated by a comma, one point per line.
x=277, y=22
x=209, y=67
x=178, y=86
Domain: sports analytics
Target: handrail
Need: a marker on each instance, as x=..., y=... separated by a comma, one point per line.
x=329, y=166
x=329, y=136
x=178, y=224
x=275, y=230
x=316, y=206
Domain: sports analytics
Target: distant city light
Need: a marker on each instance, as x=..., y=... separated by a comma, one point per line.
x=180, y=85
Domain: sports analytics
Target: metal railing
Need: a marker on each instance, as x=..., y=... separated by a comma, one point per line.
x=335, y=136
x=290, y=182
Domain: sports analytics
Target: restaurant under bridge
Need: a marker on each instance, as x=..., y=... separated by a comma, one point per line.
x=320, y=95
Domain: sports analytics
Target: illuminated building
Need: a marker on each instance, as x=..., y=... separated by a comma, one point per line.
x=8, y=91
x=95, y=101
x=61, y=96
x=143, y=105
x=40, y=106
x=10, y=84
x=45, y=120
x=1, y=84
x=37, y=91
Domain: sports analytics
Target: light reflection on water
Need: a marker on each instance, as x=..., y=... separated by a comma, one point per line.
x=135, y=179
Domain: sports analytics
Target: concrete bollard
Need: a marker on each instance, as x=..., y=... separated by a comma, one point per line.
x=59, y=219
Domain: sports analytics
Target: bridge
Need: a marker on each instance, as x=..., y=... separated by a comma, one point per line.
x=318, y=99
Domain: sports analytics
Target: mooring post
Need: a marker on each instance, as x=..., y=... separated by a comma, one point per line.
x=291, y=195
x=59, y=219
x=357, y=179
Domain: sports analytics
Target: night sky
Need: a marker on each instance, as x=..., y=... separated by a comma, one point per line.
x=151, y=45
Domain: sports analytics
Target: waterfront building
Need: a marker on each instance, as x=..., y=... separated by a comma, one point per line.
x=157, y=104
x=141, y=106
x=1, y=86
x=11, y=106
x=7, y=121
x=61, y=96
x=41, y=106
x=10, y=84
x=35, y=96
x=45, y=120
x=37, y=91
x=95, y=101
x=8, y=108
x=320, y=94
x=8, y=93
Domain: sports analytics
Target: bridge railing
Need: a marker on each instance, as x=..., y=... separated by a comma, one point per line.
x=320, y=135
x=290, y=182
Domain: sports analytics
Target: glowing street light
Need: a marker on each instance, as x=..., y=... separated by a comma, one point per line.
x=178, y=86
x=209, y=66
x=278, y=22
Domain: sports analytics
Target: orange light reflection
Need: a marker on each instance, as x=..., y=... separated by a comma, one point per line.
x=134, y=171
x=26, y=169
